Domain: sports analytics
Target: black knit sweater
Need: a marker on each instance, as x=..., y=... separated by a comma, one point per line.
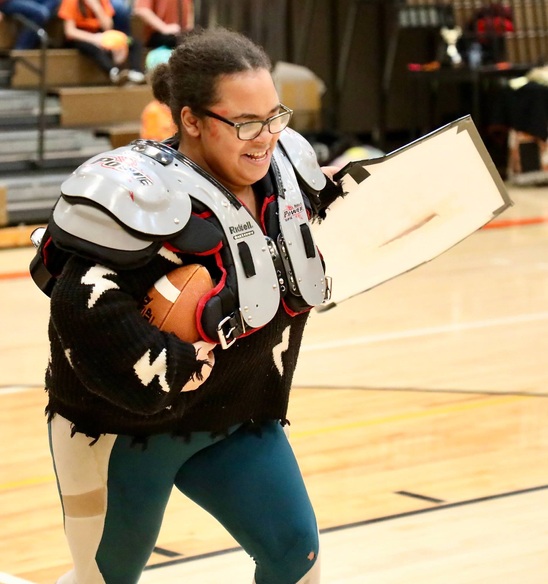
x=91, y=378
x=111, y=371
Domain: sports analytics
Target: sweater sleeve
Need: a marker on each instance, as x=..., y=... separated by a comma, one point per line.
x=112, y=350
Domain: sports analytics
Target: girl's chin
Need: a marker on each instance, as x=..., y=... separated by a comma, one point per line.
x=255, y=168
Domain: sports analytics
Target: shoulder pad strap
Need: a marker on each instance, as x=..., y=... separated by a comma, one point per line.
x=303, y=158
x=133, y=185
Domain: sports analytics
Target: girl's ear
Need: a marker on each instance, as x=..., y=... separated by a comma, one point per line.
x=191, y=124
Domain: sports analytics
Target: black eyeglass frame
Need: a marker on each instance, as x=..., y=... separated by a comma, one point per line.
x=239, y=125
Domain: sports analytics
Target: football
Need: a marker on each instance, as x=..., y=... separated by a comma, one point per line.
x=172, y=302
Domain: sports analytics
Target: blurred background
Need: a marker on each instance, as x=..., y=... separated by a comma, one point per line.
x=365, y=74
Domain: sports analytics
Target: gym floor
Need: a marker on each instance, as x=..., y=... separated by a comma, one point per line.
x=419, y=416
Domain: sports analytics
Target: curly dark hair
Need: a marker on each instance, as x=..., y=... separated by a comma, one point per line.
x=191, y=75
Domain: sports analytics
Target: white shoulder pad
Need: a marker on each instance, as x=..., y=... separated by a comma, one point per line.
x=135, y=186
x=303, y=158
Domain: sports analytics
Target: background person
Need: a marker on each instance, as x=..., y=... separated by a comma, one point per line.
x=85, y=25
x=156, y=120
x=121, y=19
x=40, y=12
x=165, y=20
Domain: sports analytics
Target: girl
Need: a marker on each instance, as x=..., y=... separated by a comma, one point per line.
x=135, y=411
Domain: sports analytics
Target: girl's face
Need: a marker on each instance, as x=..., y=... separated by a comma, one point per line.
x=236, y=163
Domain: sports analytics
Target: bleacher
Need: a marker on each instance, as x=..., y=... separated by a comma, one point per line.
x=368, y=92
x=45, y=135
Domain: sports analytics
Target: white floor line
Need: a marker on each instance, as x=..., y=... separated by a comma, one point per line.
x=426, y=331
x=8, y=579
x=17, y=389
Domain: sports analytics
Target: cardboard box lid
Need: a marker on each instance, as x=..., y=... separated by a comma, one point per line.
x=299, y=88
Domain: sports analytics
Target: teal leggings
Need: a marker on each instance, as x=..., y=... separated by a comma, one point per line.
x=249, y=481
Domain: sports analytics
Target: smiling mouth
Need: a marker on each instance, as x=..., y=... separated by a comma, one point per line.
x=258, y=156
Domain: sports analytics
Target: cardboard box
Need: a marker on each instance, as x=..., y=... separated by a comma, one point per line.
x=301, y=90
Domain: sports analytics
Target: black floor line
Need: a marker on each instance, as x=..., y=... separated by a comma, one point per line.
x=365, y=522
x=421, y=497
x=185, y=559
x=168, y=553
x=437, y=508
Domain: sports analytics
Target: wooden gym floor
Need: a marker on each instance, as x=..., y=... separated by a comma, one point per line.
x=419, y=416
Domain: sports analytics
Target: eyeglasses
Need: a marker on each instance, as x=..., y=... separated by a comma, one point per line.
x=250, y=130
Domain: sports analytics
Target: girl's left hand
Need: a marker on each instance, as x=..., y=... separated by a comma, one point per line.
x=330, y=171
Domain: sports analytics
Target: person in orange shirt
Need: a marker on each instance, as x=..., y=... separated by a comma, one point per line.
x=156, y=121
x=165, y=20
x=88, y=25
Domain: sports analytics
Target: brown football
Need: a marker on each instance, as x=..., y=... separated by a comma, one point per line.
x=172, y=302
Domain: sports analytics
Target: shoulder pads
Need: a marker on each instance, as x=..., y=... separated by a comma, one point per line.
x=120, y=206
x=133, y=187
x=303, y=158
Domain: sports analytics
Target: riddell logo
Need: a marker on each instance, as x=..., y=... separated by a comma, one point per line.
x=293, y=211
x=242, y=230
